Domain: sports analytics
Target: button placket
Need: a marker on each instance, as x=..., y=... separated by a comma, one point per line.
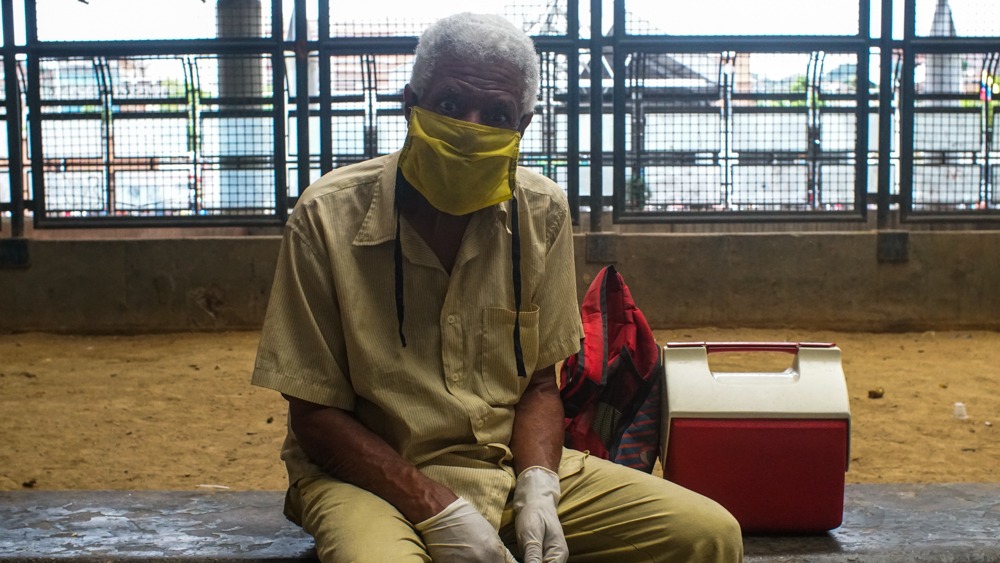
x=453, y=357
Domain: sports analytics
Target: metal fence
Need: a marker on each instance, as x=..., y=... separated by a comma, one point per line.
x=226, y=119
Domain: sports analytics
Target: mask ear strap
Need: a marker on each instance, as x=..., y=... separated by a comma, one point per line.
x=397, y=256
x=515, y=257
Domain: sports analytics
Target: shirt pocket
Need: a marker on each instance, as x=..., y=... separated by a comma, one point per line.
x=497, y=365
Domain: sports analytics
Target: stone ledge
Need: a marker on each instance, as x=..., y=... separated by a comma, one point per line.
x=136, y=526
x=947, y=523
x=899, y=523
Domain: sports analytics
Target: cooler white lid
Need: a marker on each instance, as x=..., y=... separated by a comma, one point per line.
x=813, y=387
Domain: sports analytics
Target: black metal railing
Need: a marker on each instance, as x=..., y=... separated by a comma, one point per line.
x=229, y=122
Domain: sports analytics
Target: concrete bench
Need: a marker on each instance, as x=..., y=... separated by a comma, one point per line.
x=111, y=526
x=882, y=523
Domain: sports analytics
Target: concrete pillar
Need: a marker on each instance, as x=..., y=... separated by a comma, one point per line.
x=238, y=75
x=241, y=76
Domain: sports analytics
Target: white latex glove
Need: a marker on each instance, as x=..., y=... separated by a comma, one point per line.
x=536, y=522
x=460, y=533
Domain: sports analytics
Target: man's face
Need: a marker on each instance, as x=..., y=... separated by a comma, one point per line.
x=484, y=94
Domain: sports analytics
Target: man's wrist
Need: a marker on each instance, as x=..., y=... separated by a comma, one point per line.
x=538, y=467
x=426, y=498
x=536, y=482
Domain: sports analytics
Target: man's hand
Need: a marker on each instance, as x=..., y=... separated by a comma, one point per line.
x=536, y=522
x=460, y=533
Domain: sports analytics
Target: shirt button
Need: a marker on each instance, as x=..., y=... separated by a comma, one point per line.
x=455, y=377
x=480, y=423
x=451, y=319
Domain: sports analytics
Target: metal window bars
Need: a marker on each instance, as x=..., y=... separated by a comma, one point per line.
x=228, y=123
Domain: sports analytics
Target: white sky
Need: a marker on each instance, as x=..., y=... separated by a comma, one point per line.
x=159, y=19
x=150, y=19
x=812, y=17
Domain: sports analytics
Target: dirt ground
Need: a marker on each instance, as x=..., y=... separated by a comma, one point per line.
x=176, y=411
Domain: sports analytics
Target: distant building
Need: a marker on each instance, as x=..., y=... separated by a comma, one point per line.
x=943, y=71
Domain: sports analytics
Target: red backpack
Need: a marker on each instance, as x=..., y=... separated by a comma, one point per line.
x=611, y=387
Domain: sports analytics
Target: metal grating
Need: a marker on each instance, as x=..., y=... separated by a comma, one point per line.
x=366, y=105
x=236, y=136
x=716, y=132
x=545, y=146
x=157, y=136
x=954, y=156
x=747, y=125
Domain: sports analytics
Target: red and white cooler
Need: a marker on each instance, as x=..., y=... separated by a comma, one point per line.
x=770, y=447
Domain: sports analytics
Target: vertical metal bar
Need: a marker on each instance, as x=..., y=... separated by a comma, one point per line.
x=818, y=131
x=727, y=60
x=618, y=108
x=987, y=73
x=280, y=113
x=812, y=127
x=301, y=24
x=192, y=85
x=634, y=186
x=984, y=117
x=596, y=115
x=862, y=110
x=325, y=123
x=547, y=62
x=107, y=149
x=988, y=133
x=885, y=115
x=33, y=94
x=13, y=103
x=907, y=107
x=369, y=88
x=817, y=140
x=573, y=110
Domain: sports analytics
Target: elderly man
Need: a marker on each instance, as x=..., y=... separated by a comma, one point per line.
x=420, y=305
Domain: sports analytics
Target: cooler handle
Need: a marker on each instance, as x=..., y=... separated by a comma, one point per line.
x=789, y=347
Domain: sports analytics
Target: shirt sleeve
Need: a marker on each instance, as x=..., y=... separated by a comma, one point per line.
x=560, y=328
x=302, y=351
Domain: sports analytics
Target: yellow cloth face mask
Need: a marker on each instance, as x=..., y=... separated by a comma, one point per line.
x=459, y=167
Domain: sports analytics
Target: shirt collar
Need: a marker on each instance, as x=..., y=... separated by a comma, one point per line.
x=379, y=225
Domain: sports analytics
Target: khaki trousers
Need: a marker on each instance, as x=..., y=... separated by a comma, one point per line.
x=609, y=513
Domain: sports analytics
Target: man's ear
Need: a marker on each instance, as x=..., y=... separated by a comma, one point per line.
x=525, y=120
x=409, y=100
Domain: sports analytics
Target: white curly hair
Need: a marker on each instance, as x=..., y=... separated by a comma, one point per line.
x=477, y=38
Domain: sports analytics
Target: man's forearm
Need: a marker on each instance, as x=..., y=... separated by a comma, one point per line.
x=349, y=451
x=537, y=437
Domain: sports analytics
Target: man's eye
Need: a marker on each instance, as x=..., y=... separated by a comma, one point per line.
x=500, y=119
x=448, y=106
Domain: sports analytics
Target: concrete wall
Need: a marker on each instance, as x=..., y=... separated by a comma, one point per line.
x=139, y=285
x=944, y=280
x=811, y=281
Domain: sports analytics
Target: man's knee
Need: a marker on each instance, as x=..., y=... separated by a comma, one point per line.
x=710, y=533
x=615, y=513
x=692, y=527
x=401, y=550
x=350, y=524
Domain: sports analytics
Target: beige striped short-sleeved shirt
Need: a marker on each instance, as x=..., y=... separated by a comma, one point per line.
x=445, y=401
